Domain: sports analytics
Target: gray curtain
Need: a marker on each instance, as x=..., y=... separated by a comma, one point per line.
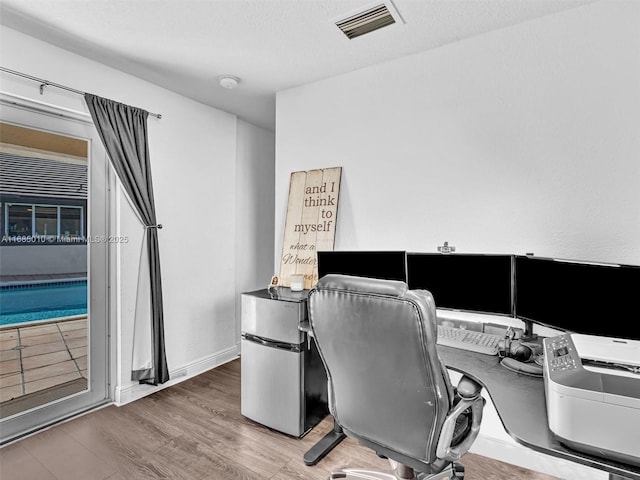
x=123, y=130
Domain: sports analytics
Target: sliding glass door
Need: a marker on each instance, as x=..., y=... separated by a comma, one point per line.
x=54, y=355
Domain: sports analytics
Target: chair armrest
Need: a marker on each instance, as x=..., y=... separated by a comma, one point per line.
x=468, y=388
x=469, y=392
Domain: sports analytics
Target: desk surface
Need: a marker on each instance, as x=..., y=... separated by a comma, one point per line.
x=520, y=403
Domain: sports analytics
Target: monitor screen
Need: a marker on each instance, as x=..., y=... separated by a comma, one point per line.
x=589, y=298
x=387, y=265
x=470, y=282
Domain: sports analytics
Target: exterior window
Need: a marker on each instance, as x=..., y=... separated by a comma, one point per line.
x=46, y=221
x=19, y=219
x=43, y=223
x=70, y=222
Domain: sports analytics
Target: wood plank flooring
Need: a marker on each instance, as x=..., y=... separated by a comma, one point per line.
x=193, y=431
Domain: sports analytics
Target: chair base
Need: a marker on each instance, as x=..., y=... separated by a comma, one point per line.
x=398, y=472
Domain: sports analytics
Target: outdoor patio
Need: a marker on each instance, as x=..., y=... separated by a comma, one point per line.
x=41, y=363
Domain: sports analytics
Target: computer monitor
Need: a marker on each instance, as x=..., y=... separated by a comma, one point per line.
x=469, y=282
x=578, y=297
x=386, y=265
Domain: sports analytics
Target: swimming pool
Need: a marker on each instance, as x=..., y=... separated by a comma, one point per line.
x=42, y=301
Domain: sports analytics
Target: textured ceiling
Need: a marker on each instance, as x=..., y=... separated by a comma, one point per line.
x=272, y=45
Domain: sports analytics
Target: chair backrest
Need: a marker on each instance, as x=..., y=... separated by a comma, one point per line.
x=377, y=340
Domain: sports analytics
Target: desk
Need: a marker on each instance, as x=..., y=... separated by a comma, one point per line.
x=520, y=402
x=521, y=405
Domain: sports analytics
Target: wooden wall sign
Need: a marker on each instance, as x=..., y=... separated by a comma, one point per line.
x=312, y=211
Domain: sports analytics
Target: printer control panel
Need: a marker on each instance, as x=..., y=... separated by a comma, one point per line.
x=561, y=353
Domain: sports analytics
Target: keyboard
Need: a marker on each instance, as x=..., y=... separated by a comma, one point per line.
x=469, y=340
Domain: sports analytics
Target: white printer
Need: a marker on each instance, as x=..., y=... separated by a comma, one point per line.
x=592, y=389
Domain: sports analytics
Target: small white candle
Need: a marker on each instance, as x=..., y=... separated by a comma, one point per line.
x=297, y=283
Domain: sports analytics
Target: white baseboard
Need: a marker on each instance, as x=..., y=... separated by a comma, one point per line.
x=516, y=454
x=129, y=393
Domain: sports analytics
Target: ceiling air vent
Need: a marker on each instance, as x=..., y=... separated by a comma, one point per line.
x=373, y=17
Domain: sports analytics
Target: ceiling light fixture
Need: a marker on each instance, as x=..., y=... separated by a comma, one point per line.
x=228, y=81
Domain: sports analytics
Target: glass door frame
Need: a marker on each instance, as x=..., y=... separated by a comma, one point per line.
x=41, y=116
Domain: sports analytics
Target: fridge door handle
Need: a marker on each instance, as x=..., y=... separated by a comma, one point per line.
x=305, y=327
x=267, y=342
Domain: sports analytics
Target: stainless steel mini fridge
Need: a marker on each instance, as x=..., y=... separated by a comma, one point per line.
x=283, y=381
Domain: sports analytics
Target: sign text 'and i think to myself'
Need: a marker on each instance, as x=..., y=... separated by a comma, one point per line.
x=311, y=222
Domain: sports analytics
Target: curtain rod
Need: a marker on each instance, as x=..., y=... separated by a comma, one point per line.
x=44, y=83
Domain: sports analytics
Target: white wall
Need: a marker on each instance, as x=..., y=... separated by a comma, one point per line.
x=193, y=152
x=43, y=259
x=255, y=192
x=521, y=140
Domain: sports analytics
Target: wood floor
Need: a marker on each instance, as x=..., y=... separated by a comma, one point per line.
x=193, y=431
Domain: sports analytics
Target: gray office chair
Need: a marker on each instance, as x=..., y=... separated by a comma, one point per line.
x=387, y=386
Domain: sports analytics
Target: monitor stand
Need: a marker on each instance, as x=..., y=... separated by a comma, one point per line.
x=528, y=335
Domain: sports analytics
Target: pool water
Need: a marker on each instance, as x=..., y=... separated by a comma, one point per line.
x=28, y=303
